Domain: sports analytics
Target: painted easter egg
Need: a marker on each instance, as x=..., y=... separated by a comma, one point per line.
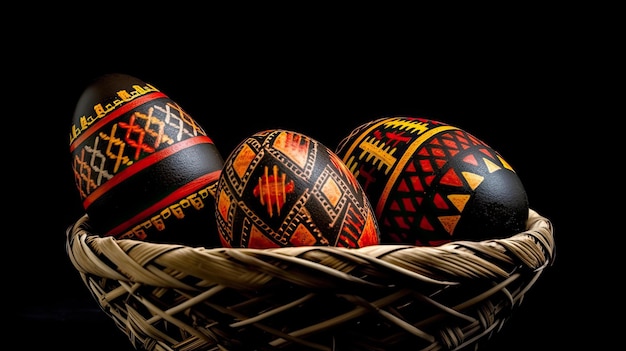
x=280, y=188
x=431, y=183
x=143, y=167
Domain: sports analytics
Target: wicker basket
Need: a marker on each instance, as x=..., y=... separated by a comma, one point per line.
x=384, y=297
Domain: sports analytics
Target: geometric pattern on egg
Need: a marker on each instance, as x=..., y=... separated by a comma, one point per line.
x=282, y=188
x=431, y=183
x=144, y=169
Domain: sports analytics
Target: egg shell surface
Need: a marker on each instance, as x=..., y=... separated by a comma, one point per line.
x=280, y=188
x=143, y=167
x=431, y=183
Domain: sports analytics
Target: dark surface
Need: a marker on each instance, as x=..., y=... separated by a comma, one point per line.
x=518, y=100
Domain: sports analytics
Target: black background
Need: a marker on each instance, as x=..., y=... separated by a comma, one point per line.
x=519, y=92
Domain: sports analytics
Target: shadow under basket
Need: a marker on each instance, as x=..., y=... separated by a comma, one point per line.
x=383, y=297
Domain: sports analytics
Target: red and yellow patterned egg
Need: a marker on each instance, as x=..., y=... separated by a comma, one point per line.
x=143, y=167
x=432, y=183
x=280, y=188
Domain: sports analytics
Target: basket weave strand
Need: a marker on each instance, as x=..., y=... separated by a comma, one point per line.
x=382, y=297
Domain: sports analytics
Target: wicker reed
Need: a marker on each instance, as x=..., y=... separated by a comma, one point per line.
x=384, y=297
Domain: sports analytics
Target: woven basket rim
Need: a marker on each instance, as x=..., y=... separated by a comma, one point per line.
x=533, y=249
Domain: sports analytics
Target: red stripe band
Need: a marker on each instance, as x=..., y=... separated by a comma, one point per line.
x=186, y=189
x=143, y=164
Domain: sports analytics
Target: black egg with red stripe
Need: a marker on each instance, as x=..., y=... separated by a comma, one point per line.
x=142, y=165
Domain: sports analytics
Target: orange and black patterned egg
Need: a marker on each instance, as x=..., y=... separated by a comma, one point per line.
x=280, y=188
x=144, y=168
x=432, y=183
